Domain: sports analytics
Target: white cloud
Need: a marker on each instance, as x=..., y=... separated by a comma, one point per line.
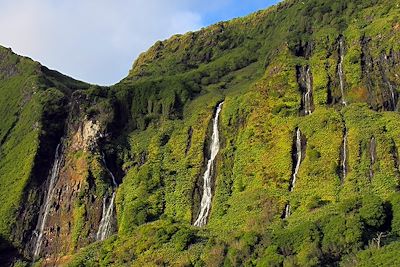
x=92, y=40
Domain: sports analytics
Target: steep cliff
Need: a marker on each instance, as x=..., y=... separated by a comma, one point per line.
x=307, y=169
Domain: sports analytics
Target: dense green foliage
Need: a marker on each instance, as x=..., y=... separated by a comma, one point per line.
x=160, y=129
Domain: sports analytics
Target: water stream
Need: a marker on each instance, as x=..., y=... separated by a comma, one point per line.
x=205, y=204
x=298, y=158
x=392, y=94
x=105, y=227
x=340, y=70
x=344, y=154
x=307, y=95
x=287, y=211
x=45, y=209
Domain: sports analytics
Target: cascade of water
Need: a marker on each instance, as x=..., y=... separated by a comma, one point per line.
x=340, y=70
x=103, y=157
x=298, y=159
x=105, y=226
x=372, y=152
x=296, y=169
x=307, y=95
x=45, y=209
x=205, y=204
x=287, y=211
x=344, y=153
x=105, y=223
x=392, y=94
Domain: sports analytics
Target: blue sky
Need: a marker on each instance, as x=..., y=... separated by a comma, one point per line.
x=234, y=8
x=97, y=40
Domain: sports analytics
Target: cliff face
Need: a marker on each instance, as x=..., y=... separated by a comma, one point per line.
x=307, y=171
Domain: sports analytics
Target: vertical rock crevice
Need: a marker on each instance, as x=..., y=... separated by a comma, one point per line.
x=372, y=155
x=343, y=169
x=340, y=70
x=390, y=94
x=382, y=92
x=305, y=81
x=329, y=93
x=189, y=140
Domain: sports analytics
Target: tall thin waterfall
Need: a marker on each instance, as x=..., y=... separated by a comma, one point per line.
x=45, y=209
x=296, y=169
x=372, y=153
x=105, y=226
x=287, y=211
x=392, y=95
x=344, y=153
x=340, y=69
x=307, y=95
x=205, y=204
x=298, y=160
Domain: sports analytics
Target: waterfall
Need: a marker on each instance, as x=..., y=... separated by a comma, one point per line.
x=340, y=70
x=106, y=220
x=307, y=95
x=105, y=226
x=205, y=204
x=103, y=157
x=392, y=94
x=287, y=211
x=372, y=152
x=298, y=160
x=45, y=209
x=344, y=153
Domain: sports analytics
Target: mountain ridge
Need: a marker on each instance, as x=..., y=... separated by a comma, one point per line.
x=307, y=172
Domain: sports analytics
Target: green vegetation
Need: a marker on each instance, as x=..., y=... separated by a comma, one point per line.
x=159, y=117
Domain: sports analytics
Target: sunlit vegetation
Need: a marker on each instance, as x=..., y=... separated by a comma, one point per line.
x=160, y=127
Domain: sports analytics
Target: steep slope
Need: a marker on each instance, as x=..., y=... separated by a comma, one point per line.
x=307, y=171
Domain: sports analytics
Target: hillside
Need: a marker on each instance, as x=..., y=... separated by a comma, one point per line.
x=301, y=162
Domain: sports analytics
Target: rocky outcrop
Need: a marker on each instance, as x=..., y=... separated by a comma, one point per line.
x=378, y=77
x=305, y=81
x=87, y=136
x=75, y=202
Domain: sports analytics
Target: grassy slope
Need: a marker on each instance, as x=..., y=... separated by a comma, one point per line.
x=19, y=132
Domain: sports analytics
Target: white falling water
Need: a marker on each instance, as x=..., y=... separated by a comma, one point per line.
x=307, y=95
x=49, y=196
x=106, y=220
x=296, y=169
x=105, y=226
x=340, y=70
x=205, y=204
x=393, y=97
x=344, y=154
x=287, y=211
x=298, y=159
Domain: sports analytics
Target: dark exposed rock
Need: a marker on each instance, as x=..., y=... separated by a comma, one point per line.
x=189, y=140
x=305, y=81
